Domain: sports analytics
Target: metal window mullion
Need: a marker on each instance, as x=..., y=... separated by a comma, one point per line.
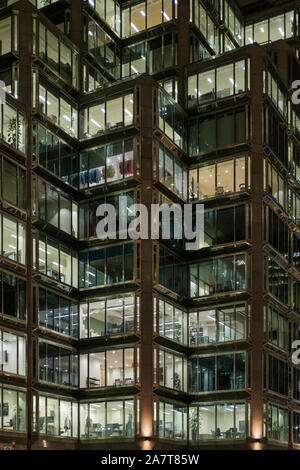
x=234, y=371
x=105, y=367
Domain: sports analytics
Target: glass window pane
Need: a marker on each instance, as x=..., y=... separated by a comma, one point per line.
x=225, y=421
x=207, y=182
x=225, y=81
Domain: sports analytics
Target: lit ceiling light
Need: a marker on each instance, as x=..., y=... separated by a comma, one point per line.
x=281, y=32
x=95, y=122
x=166, y=16
x=134, y=69
x=209, y=80
x=134, y=27
x=142, y=13
x=262, y=29
x=44, y=251
x=67, y=118
x=128, y=112
x=250, y=40
x=43, y=99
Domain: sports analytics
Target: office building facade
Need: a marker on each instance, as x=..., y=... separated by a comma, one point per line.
x=143, y=344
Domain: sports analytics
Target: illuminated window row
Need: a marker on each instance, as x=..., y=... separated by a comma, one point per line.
x=55, y=260
x=272, y=29
x=147, y=14
x=113, y=113
x=57, y=417
x=221, y=421
x=107, y=419
x=219, y=83
x=111, y=316
x=106, y=164
x=111, y=368
x=219, y=179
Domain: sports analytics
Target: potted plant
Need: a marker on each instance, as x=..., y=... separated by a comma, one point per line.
x=177, y=332
x=195, y=423
x=13, y=132
x=177, y=381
